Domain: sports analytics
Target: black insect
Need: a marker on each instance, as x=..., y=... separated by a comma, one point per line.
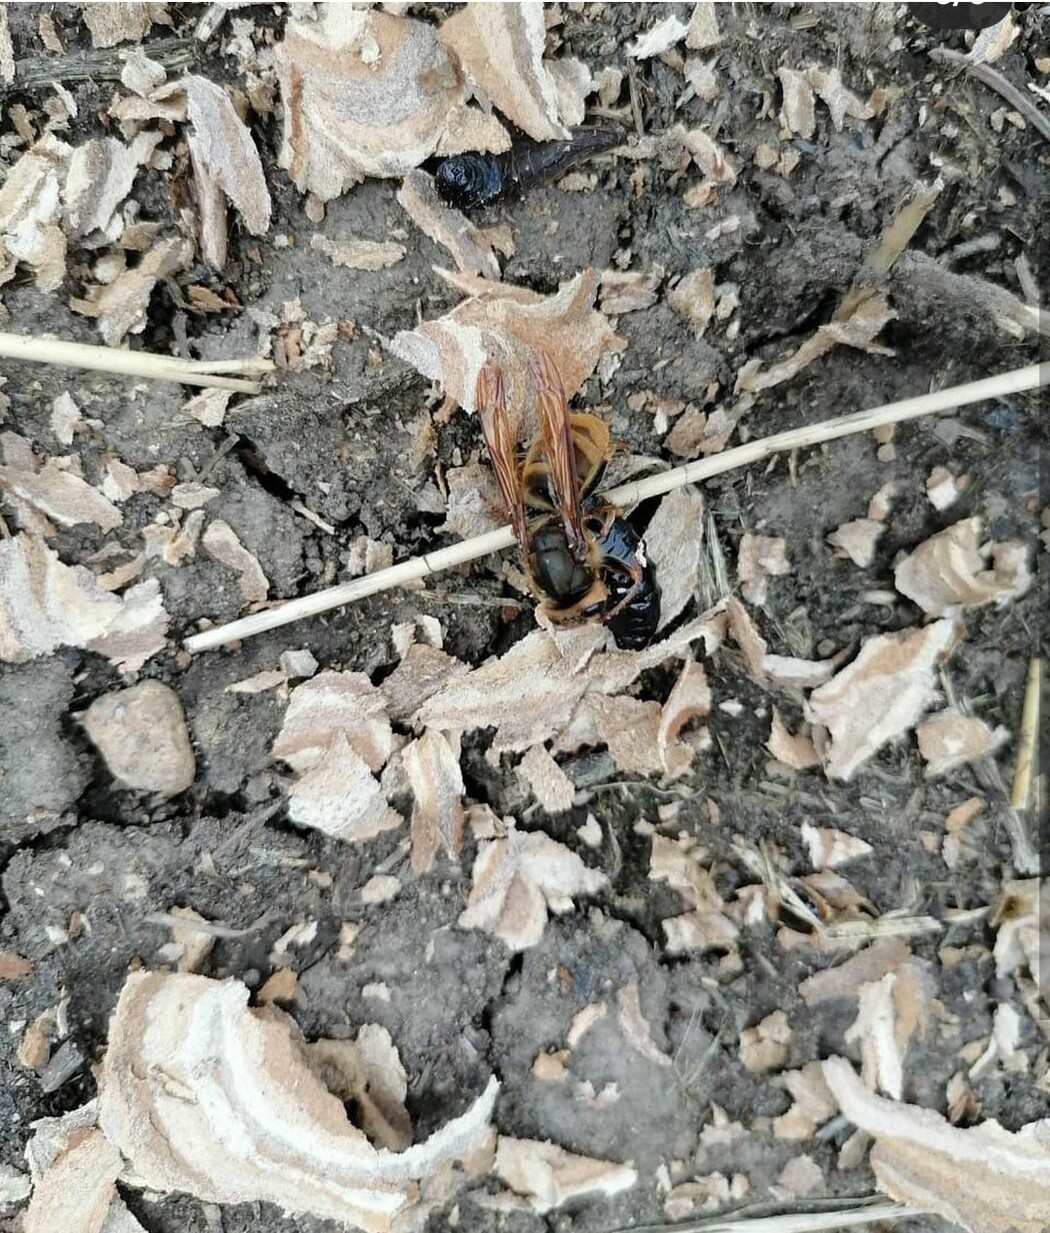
x=466, y=181
x=629, y=577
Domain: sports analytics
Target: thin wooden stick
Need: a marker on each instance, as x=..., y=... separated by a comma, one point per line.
x=626, y=495
x=134, y=363
x=1022, y=785
x=831, y=1218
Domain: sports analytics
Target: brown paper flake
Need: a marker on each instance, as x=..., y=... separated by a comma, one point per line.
x=190, y=1070
x=336, y=735
x=120, y=307
x=706, y=927
x=629, y=291
x=890, y=1011
x=527, y=695
x=546, y=780
x=767, y=1045
x=950, y=571
x=674, y=543
x=868, y=965
x=693, y=298
x=194, y=945
x=636, y=1028
x=367, y=92
x=856, y=540
x=949, y=739
x=472, y=249
x=331, y=704
x=760, y=557
x=1016, y=916
x=517, y=880
x=359, y=254
x=45, y=604
x=549, y=1176
x=475, y=504
x=12, y=966
x=859, y=331
x=122, y=22
x=797, y=110
x=501, y=48
x=812, y=1103
x=99, y=177
x=368, y=1076
x=31, y=212
x=796, y=751
x=422, y=672
x=690, y=698
x=984, y=1179
x=225, y=152
x=77, y=1189
x=629, y=727
x=749, y=641
x=829, y=88
x=708, y=156
x=943, y=488
x=221, y=542
x=703, y=31
x=432, y=767
x=659, y=38
x=52, y=490
x=880, y=695
x=830, y=848
x=507, y=324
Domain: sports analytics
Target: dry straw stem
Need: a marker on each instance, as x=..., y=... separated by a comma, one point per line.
x=1022, y=785
x=826, y=1219
x=626, y=495
x=134, y=363
x=997, y=82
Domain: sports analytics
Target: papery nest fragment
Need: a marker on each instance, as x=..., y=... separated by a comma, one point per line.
x=506, y=325
x=367, y=93
x=203, y=1095
x=880, y=694
x=501, y=48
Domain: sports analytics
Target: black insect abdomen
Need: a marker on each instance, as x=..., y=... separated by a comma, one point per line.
x=469, y=180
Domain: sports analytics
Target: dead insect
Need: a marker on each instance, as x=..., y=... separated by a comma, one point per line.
x=584, y=562
x=466, y=181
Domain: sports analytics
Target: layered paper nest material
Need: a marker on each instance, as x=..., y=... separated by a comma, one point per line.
x=204, y=1095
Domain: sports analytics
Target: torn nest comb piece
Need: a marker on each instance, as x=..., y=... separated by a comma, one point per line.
x=203, y=1095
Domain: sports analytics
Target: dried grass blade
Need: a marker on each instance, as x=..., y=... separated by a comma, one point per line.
x=626, y=495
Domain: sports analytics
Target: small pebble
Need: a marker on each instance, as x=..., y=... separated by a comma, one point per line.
x=141, y=734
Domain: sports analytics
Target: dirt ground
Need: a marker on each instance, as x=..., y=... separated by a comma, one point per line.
x=74, y=846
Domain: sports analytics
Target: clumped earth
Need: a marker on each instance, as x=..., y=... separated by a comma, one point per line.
x=86, y=862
